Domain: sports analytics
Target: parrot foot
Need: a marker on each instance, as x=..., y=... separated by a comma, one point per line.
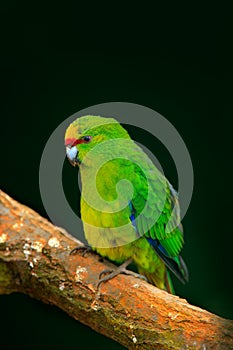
x=119, y=270
x=85, y=248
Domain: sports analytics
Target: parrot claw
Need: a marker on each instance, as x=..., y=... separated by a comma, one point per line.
x=109, y=271
x=119, y=270
x=84, y=248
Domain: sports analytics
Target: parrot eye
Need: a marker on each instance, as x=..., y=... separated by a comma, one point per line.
x=87, y=139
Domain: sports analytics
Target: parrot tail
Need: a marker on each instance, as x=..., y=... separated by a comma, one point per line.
x=168, y=283
x=174, y=264
x=160, y=281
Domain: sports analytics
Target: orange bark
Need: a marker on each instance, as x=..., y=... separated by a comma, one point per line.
x=34, y=259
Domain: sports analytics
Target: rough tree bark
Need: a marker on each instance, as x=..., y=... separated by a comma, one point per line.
x=34, y=259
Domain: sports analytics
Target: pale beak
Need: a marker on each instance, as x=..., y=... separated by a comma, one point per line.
x=72, y=155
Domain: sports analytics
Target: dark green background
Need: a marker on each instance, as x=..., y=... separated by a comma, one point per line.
x=57, y=60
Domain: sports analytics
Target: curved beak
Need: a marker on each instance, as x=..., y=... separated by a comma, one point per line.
x=72, y=155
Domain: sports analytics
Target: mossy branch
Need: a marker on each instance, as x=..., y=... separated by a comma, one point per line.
x=34, y=259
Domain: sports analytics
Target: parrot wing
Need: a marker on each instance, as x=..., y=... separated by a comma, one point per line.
x=166, y=244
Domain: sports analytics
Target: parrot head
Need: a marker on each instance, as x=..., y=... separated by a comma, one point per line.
x=87, y=132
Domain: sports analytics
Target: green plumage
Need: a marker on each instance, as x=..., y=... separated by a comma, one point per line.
x=127, y=221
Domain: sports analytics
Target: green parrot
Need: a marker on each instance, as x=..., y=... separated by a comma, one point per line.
x=129, y=210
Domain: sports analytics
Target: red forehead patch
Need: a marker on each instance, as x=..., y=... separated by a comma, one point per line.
x=72, y=142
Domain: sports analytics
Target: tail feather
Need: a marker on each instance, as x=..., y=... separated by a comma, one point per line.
x=168, y=282
x=175, y=264
x=160, y=278
x=153, y=278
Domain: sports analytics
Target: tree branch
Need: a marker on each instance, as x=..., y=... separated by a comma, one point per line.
x=34, y=259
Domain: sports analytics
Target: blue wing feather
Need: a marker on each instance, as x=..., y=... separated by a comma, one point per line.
x=176, y=265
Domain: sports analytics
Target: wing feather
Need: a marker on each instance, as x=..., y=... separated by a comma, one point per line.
x=166, y=244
